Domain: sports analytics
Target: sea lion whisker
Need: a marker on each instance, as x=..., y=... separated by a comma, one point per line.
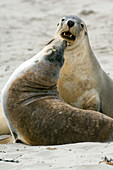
x=50, y=41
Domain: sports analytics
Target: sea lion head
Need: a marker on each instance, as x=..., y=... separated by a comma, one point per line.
x=51, y=61
x=54, y=52
x=73, y=29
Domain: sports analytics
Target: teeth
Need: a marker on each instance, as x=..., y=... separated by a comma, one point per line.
x=68, y=35
x=71, y=35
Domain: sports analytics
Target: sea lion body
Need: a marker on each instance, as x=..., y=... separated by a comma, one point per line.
x=30, y=82
x=83, y=83
x=35, y=113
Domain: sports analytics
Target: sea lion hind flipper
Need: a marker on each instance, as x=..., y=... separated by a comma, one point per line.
x=93, y=103
x=4, y=129
x=7, y=140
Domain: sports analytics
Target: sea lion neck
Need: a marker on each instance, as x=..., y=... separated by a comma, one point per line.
x=37, y=78
x=31, y=86
x=42, y=79
x=78, y=50
x=44, y=73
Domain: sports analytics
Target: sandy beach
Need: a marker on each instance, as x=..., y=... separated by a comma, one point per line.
x=25, y=27
x=81, y=156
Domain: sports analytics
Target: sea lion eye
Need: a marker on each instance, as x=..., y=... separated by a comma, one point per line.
x=82, y=26
x=63, y=20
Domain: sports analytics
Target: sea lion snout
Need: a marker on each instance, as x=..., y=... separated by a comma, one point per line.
x=60, y=48
x=70, y=23
x=57, y=48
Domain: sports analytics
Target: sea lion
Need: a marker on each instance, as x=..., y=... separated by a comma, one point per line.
x=35, y=113
x=82, y=81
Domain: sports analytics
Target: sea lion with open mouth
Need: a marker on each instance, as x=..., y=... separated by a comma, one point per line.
x=82, y=83
x=35, y=113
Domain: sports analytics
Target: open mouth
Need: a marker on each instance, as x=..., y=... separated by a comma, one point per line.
x=68, y=35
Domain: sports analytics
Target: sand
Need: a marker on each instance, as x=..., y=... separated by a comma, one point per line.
x=25, y=27
x=81, y=156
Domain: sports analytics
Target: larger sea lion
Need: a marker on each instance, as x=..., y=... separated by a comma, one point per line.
x=35, y=113
x=82, y=81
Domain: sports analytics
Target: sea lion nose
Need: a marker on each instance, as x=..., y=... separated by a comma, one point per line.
x=70, y=23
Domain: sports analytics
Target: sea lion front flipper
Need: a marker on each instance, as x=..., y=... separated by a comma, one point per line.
x=93, y=103
x=7, y=140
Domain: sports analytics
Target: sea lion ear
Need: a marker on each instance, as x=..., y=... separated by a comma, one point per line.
x=85, y=30
x=85, y=33
x=82, y=26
